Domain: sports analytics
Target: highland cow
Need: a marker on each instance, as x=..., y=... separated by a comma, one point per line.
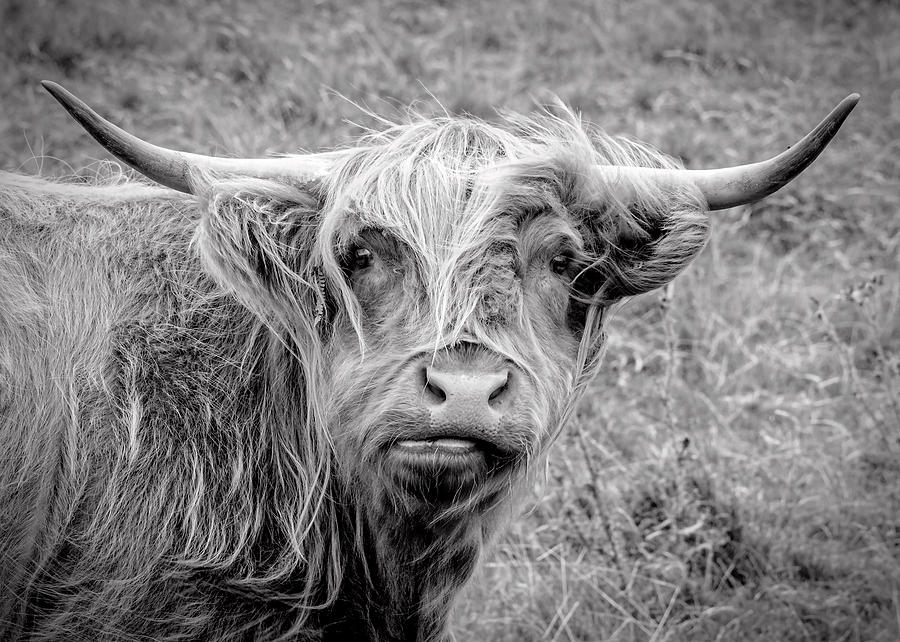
x=295, y=398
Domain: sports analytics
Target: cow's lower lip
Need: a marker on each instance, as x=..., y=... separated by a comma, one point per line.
x=443, y=469
x=439, y=456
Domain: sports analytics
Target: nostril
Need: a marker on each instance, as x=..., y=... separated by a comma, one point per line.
x=434, y=391
x=431, y=386
x=500, y=389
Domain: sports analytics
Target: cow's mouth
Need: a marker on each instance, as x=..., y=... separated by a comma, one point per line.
x=449, y=450
x=439, y=447
x=441, y=455
x=444, y=467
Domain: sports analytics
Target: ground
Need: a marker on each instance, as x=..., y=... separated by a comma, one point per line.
x=734, y=473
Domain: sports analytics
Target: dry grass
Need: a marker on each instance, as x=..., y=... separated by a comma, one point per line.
x=735, y=472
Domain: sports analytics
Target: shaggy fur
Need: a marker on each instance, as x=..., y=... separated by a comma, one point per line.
x=196, y=392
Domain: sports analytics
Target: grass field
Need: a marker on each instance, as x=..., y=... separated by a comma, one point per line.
x=734, y=473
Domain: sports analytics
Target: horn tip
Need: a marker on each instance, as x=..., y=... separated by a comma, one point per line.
x=839, y=114
x=846, y=105
x=51, y=86
x=60, y=93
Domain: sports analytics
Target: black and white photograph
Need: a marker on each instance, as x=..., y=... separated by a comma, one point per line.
x=410, y=320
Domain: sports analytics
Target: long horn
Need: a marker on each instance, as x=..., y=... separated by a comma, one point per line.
x=174, y=168
x=733, y=186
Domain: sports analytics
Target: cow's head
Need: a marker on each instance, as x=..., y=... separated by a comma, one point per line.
x=446, y=281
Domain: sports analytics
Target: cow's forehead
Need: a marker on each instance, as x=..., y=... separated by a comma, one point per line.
x=441, y=187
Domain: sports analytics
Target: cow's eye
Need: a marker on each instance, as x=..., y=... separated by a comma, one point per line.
x=360, y=258
x=560, y=263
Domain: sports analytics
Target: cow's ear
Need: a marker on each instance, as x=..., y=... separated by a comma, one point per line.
x=644, y=246
x=256, y=239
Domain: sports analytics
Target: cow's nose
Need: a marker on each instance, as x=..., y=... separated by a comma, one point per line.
x=460, y=395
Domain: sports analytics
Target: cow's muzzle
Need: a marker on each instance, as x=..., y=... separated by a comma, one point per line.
x=474, y=404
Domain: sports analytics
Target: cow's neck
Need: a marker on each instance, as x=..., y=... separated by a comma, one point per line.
x=402, y=576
